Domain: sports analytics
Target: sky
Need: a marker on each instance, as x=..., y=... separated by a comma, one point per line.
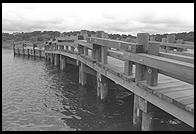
x=121, y=18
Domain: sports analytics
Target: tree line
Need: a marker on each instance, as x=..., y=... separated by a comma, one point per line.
x=47, y=35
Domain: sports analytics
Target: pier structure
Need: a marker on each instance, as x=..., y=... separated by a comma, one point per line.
x=157, y=75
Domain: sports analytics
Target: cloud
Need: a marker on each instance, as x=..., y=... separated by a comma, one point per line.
x=112, y=18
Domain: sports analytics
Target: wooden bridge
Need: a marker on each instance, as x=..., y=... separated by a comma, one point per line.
x=155, y=74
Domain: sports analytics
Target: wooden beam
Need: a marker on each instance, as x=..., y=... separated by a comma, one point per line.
x=114, y=44
x=176, y=45
x=177, y=57
x=179, y=53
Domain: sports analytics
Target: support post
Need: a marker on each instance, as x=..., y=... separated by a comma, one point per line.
x=72, y=48
x=62, y=62
x=137, y=115
x=82, y=74
x=56, y=59
x=102, y=87
x=85, y=51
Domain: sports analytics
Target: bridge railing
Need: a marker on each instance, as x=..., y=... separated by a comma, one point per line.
x=146, y=58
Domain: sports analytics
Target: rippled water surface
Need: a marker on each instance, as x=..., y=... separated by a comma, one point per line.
x=38, y=96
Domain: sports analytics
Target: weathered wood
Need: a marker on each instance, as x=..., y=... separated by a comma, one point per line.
x=128, y=68
x=96, y=52
x=137, y=114
x=62, y=62
x=85, y=51
x=116, y=55
x=147, y=121
x=121, y=45
x=175, y=45
x=140, y=72
x=177, y=57
x=152, y=73
x=178, y=53
x=82, y=74
x=104, y=57
x=56, y=59
x=171, y=108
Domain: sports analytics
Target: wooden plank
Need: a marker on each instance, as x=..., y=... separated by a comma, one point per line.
x=177, y=57
x=183, y=97
x=179, y=93
x=187, y=101
x=173, y=68
x=175, y=89
x=162, y=86
x=169, y=98
x=167, y=80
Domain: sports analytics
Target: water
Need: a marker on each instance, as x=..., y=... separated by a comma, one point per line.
x=38, y=96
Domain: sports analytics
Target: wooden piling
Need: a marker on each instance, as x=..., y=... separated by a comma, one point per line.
x=56, y=59
x=82, y=74
x=62, y=62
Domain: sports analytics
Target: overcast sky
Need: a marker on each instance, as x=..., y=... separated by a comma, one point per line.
x=122, y=18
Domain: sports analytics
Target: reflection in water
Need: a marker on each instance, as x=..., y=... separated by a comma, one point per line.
x=38, y=96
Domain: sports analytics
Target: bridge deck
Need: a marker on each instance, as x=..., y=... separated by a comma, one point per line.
x=168, y=88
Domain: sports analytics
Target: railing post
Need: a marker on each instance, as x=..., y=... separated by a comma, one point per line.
x=152, y=73
x=96, y=53
x=82, y=74
x=170, y=39
x=142, y=115
x=62, y=62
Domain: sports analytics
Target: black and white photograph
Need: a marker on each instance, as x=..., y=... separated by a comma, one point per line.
x=98, y=66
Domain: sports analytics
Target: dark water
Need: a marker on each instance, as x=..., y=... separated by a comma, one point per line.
x=38, y=96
